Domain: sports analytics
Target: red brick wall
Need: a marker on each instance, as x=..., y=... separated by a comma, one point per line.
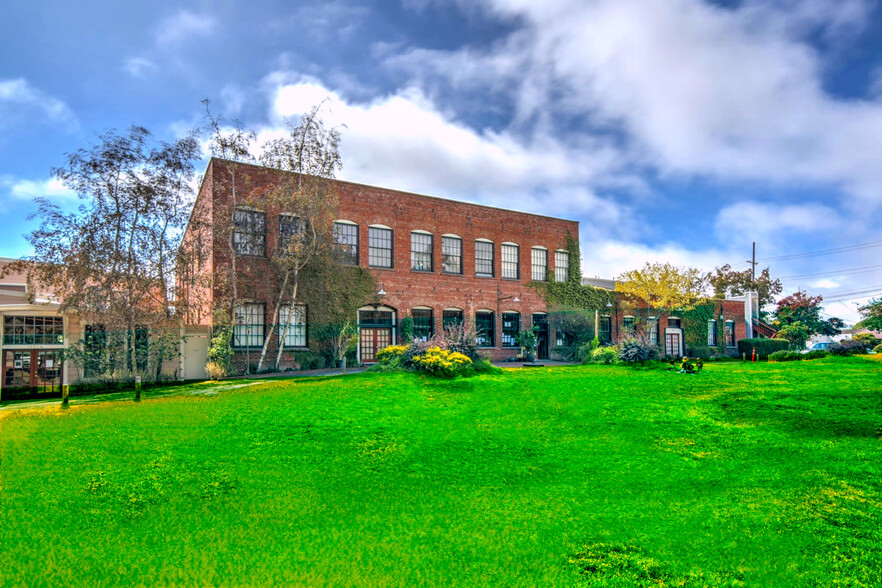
x=405, y=212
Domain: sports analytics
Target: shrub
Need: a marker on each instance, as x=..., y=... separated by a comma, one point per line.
x=214, y=371
x=407, y=329
x=635, y=351
x=816, y=354
x=786, y=356
x=701, y=351
x=391, y=353
x=605, y=355
x=442, y=362
x=868, y=337
x=849, y=347
x=878, y=348
x=310, y=360
x=483, y=366
x=764, y=347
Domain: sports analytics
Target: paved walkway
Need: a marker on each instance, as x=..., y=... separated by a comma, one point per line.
x=304, y=373
x=537, y=363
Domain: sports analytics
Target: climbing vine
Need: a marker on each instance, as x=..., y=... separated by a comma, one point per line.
x=572, y=293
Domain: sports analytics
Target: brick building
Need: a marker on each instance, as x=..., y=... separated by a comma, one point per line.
x=438, y=261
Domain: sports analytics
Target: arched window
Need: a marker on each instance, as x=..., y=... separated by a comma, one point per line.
x=422, y=245
x=423, y=323
x=511, y=326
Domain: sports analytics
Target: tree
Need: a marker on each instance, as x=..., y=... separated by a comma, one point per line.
x=663, y=287
x=796, y=333
x=801, y=308
x=872, y=315
x=112, y=261
x=728, y=282
x=312, y=152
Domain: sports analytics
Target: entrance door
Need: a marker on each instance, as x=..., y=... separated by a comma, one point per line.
x=672, y=344
x=541, y=321
x=29, y=371
x=372, y=340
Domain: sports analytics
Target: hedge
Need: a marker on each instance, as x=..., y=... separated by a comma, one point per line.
x=764, y=347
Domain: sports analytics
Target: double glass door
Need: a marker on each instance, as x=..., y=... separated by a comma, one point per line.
x=28, y=371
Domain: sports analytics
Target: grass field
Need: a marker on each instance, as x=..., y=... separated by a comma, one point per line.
x=745, y=475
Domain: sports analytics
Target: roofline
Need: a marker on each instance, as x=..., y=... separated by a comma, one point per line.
x=398, y=191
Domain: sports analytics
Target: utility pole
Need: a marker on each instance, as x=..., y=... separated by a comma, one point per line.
x=749, y=317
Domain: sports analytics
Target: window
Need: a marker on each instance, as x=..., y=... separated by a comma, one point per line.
x=451, y=255
x=540, y=264
x=374, y=318
x=561, y=266
x=485, y=323
x=379, y=247
x=346, y=238
x=249, y=232
x=423, y=323
x=296, y=334
x=712, y=333
x=484, y=259
x=673, y=323
x=653, y=331
x=33, y=330
x=421, y=252
x=94, y=345
x=563, y=338
x=511, y=326
x=248, y=330
x=511, y=268
x=628, y=324
x=451, y=317
x=289, y=227
x=730, y=333
x=605, y=334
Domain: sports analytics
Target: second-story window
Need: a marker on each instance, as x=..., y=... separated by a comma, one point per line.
x=421, y=252
x=249, y=232
x=289, y=228
x=561, y=266
x=451, y=255
x=484, y=259
x=379, y=247
x=511, y=267
x=346, y=238
x=540, y=264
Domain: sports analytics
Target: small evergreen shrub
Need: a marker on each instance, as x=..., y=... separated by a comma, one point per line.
x=605, y=355
x=786, y=356
x=483, y=366
x=634, y=351
x=701, y=351
x=849, y=347
x=764, y=347
x=816, y=354
x=407, y=329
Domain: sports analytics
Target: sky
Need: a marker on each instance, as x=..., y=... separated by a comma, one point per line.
x=672, y=130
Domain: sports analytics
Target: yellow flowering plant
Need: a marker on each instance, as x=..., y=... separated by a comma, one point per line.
x=442, y=362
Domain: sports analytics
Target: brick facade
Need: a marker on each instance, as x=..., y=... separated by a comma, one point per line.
x=404, y=287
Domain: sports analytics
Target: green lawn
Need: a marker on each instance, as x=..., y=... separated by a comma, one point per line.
x=746, y=475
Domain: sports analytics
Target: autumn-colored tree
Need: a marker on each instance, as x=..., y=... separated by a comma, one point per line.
x=663, y=287
x=801, y=308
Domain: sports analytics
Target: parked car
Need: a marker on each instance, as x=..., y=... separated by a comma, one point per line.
x=817, y=347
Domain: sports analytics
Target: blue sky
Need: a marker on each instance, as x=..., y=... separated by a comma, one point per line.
x=673, y=130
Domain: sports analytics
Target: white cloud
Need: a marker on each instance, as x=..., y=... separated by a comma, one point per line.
x=774, y=224
x=21, y=189
x=19, y=100
x=825, y=284
x=731, y=94
x=140, y=67
x=183, y=26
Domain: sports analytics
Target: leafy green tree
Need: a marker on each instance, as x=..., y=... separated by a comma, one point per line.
x=872, y=315
x=796, y=333
x=801, y=308
x=728, y=282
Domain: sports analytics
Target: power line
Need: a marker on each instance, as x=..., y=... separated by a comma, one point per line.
x=854, y=270
x=857, y=247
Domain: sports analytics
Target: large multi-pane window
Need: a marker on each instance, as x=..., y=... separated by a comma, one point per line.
x=712, y=333
x=451, y=255
x=33, y=330
x=289, y=228
x=511, y=267
x=730, y=333
x=248, y=330
x=485, y=324
x=296, y=335
x=484, y=259
x=605, y=333
x=423, y=323
x=249, y=232
x=421, y=252
x=628, y=324
x=451, y=317
x=511, y=326
x=346, y=238
x=561, y=266
x=653, y=331
x=540, y=264
x=379, y=247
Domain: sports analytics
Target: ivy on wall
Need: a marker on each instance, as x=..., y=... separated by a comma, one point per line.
x=572, y=294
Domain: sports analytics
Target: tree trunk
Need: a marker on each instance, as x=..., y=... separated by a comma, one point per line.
x=272, y=329
x=287, y=322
